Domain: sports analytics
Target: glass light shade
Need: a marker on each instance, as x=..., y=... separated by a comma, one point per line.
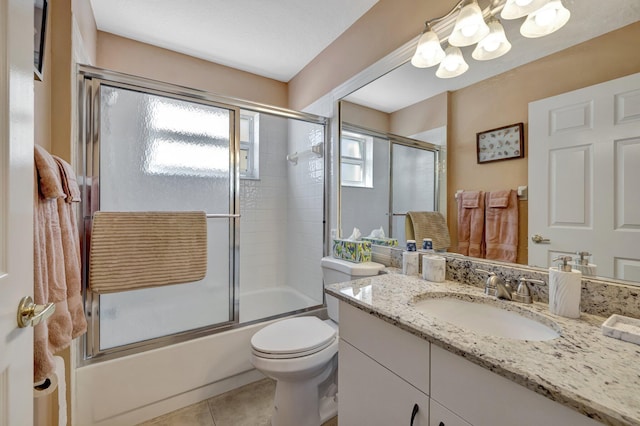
x=453, y=64
x=514, y=9
x=470, y=27
x=551, y=17
x=429, y=52
x=494, y=45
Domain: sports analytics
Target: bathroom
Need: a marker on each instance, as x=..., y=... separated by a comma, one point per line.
x=115, y=53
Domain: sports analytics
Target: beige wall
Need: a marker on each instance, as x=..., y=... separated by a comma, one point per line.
x=386, y=26
x=42, y=99
x=83, y=14
x=422, y=116
x=140, y=59
x=367, y=118
x=503, y=100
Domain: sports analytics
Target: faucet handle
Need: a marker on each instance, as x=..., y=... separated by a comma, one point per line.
x=523, y=292
x=490, y=286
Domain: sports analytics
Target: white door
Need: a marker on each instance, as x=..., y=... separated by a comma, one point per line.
x=584, y=176
x=16, y=209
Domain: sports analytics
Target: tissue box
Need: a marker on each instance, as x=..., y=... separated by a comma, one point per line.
x=388, y=242
x=353, y=251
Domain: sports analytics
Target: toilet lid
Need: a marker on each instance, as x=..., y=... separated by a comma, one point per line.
x=293, y=337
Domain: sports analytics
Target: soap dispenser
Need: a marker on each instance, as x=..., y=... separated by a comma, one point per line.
x=582, y=264
x=565, y=286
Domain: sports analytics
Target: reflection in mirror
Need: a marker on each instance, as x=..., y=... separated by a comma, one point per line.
x=494, y=101
x=383, y=176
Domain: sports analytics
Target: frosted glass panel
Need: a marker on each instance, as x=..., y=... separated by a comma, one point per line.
x=413, y=173
x=163, y=154
x=158, y=153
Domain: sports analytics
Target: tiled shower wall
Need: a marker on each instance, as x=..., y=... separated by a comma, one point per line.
x=263, y=206
x=305, y=204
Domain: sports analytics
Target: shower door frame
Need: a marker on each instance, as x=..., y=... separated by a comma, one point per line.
x=89, y=79
x=416, y=144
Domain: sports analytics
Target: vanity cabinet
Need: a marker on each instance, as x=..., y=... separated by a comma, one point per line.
x=385, y=371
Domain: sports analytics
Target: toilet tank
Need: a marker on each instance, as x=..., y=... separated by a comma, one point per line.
x=338, y=271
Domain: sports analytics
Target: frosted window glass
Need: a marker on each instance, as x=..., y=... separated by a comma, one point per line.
x=162, y=154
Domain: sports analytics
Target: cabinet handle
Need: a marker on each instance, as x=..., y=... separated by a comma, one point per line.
x=414, y=413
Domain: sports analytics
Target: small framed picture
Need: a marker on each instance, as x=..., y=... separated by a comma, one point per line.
x=39, y=33
x=503, y=143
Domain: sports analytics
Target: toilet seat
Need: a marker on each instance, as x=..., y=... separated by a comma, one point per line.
x=293, y=338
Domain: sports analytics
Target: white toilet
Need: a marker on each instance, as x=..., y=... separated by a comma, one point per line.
x=301, y=354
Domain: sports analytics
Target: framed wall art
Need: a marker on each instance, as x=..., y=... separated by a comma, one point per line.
x=503, y=143
x=39, y=33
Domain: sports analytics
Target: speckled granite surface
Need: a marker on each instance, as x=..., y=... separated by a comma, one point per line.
x=583, y=369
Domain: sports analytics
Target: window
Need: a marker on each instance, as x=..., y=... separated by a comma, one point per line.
x=249, y=145
x=356, y=160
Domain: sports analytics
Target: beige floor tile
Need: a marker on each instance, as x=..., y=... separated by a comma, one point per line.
x=193, y=415
x=249, y=405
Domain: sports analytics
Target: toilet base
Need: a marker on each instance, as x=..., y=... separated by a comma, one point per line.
x=306, y=403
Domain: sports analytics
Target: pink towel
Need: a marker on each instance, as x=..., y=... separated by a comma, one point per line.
x=471, y=223
x=56, y=277
x=501, y=225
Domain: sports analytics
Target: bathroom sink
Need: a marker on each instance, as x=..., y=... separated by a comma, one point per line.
x=485, y=319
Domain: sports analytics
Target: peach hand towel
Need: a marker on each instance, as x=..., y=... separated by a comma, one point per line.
x=471, y=223
x=71, y=248
x=57, y=273
x=501, y=225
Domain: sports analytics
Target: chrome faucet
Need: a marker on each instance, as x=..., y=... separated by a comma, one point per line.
x=523, y=292
x=495, y=286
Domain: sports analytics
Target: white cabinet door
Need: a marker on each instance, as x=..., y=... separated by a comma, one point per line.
x=584, y=169
x=440, y=416
x=372, y=395
x=483, y=398
x=16, y=206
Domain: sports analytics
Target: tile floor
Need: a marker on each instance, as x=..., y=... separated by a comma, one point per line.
x=248, y=405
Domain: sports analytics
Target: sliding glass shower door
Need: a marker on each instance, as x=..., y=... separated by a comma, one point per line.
x=154, y=151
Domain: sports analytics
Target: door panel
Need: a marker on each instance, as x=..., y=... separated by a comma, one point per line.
x=16, y=205
x=584, y=149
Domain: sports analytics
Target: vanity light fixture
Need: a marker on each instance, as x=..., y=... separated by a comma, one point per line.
x=466, y=24
x=549, y=18
x=514, y=9
x=470, y=27
x=429, y=51
x=453, y=63
x=494, y=45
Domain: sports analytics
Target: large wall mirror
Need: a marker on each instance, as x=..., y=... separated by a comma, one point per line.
x=597, y=45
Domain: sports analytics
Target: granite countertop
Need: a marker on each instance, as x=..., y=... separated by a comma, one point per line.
x=596, y=375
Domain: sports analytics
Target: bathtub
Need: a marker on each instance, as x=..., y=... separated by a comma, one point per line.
x=139, y=387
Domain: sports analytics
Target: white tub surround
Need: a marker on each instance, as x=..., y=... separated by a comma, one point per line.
x=582, y=369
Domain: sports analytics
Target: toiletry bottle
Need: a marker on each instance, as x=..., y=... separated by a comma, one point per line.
x=582, y=264
x=565, y=286
x=410, y=259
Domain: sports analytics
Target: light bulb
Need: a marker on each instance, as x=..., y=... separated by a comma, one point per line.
x=450, y=64
x=523, y=3
x=469, y=30
x=492, y=44
x=545, y=17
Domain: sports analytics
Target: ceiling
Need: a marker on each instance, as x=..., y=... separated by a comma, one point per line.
x=274, y=39
x=277, y=39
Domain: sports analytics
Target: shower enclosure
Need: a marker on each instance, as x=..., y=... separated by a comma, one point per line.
x=150, y=146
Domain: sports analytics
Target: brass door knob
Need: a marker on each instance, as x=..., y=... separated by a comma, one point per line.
x=539, y=239
x=30, y=314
